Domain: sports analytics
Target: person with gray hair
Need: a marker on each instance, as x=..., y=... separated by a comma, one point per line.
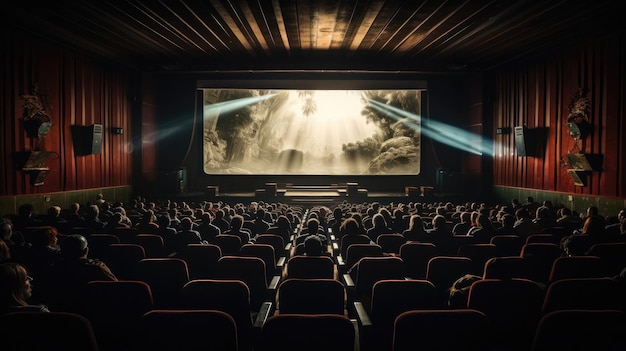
x=67, y=279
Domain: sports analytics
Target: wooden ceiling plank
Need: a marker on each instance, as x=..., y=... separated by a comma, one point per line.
x=364, y=25
x=234, y=24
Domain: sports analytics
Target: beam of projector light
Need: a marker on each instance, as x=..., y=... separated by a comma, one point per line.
x=214, y=110
x=441, y=132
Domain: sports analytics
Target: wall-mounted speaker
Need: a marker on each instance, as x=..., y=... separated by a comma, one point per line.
x=523, y=142
x=87, y=139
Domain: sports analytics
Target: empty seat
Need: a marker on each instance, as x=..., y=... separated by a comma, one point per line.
x=391, y=243
x=581, y=330
x=614, y=254
x=264, y=252
x=201, y=259
x=443, y=271
x=122, y=259
x=506, y=267
x=567, y=267
x=115, y=308
x=416, y=256
x=390, y=298
x=357, y=251
x=512, y=306
x=153, y=244
x=583, y=293
x=479, y=254
x=228, y=243
x=277, y=242
x=369, y=270
x=540, y=257
x=306, y=332
x=310, y=267
x=99, y=243
x=507, y=245
x=250, y=270
x=46, y=331
x=311, y=296
x=188, y=330
x=166, y=278
x=230, y=296
x=459, y=330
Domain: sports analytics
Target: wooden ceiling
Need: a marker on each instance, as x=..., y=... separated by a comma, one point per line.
x=426, y=35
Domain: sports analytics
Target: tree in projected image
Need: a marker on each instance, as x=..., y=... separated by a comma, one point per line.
x=311, y=132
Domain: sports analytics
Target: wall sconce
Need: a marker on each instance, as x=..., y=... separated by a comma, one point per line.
x=117, y=130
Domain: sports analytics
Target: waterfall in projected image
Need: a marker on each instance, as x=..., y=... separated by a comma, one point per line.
x=329, y=132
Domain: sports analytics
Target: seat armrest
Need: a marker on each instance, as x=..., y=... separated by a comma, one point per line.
x=273, y=285
x=281, y=261
x=362, y=316
x=347, y=279
x=266, y=310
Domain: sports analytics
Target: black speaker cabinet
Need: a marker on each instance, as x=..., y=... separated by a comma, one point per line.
x=87, y=139
x=522, y=141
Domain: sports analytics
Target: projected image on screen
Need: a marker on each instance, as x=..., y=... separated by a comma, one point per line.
x=309, y=132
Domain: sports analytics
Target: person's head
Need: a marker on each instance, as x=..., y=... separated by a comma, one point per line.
x=6, y=229
x=465, y=217
x=416, y=222
x=483, y=222
x=439, y=221
x=74, y=207
x=593, y=225
x=592, y=211
x=54, y=211
x=459, y=291
x=5, y=252
x=313, y=245
x=507, y=220
x=186, y=223
x=45, y=237
x=93, y=211
x=26, y=210
x=15, y=288
x=522, y=213
x=74, y=247
x=236, y=222
x=379, y=221
x=350, y=226
x=313, y=225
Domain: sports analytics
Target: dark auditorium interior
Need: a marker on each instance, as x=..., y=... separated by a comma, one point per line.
x=304, y=175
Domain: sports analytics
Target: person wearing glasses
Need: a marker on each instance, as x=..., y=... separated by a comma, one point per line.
x=16, y=289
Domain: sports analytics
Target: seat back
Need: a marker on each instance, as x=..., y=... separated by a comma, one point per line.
x=126, y=235
x=416, y=256
x=540, y=257
x=357, y=251
x=512, y=306
x=479, y=254
x=585, y=330
x=614, y=254
x=277, y=242
x=306, y=332
x=46, y=331
x=153, y=244
x=506, y=267
x=459, y=329
x=372, y=269
x=228, y=243
x=122, y=259
x=567, y=267
x=115, y=308
x=309, y=267
x=99, y=243
x=311, y=296
x=250, y=270
x=187, y=329
x=391, y=243
x=543, y=238
x=442, y=271
x=201, y=259
x=166, y=278
x=348, y=240
x=264, y=252
x=230, y=296
x=392, y=297
x=583, y=293
x=507, y=245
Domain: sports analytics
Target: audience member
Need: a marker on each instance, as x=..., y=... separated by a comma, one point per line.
x=524, y=224
x=464, y=225
x=16, y=290
x=236, y=228
x=415, y=231
x=67, y=279
x=379, y=226
x=53, y=218
x=44, y=251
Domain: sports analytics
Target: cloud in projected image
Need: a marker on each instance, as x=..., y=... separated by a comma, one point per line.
x=331, y=132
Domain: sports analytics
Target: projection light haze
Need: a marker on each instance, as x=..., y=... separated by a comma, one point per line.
x=312, y=132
